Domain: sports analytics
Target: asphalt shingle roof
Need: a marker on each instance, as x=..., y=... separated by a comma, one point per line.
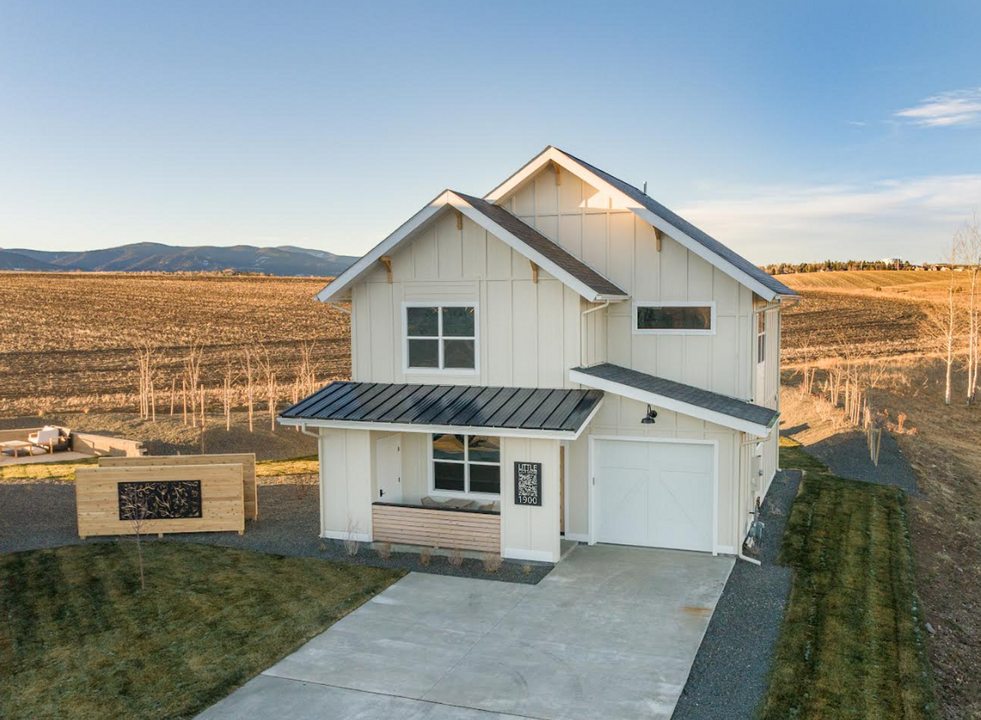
x=553, y=251
x=461, y=406
x=680, y=392
x=699, y=236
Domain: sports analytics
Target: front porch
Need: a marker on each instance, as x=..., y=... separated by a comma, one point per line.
x=476, y=469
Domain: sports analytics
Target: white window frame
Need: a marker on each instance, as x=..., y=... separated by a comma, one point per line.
x=440, y=338
x=466, y=462
x=673, y=303
x=761, y=338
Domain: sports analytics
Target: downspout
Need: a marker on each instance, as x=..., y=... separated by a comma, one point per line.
x=739, y=511
x=320, y=476
x=582, y=330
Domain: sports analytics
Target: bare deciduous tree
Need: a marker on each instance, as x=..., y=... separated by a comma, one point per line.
x=192, y=374
x=134, y=507
x=941, y=323
x=971, y=244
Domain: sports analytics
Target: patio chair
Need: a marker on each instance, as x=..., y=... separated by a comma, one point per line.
x=51, y=438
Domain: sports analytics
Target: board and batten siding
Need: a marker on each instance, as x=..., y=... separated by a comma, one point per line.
x=617, y=243
x=528, y=333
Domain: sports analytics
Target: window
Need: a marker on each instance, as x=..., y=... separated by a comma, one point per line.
x=466, y=464
x=441, y=337
x=761, y=337
x=674, y=318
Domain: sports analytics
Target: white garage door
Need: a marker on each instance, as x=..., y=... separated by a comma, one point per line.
x=658, y=494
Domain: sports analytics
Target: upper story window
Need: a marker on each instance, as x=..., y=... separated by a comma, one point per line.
x=466, y=464
x=674, y=318
x=761, y=337
x=441, y=338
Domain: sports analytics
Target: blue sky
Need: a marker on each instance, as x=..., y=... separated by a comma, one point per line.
x=789, y=130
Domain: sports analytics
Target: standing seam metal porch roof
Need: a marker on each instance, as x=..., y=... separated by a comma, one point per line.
x=461, y=406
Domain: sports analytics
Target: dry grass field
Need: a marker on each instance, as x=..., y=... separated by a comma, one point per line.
x=69, y=341
x=873, y=321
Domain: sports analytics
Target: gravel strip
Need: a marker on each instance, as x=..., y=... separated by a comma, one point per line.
x=42, y=515
x=847, y=455
x=730, y=675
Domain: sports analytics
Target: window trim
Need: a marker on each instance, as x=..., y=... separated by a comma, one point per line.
x=761, y=338
x=439, y=305
x=466, y=462
x=672, y=303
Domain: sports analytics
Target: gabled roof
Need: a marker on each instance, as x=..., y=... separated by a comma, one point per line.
x=429, y=408
x=651, y=211
x=687, y=399
x=549, y=256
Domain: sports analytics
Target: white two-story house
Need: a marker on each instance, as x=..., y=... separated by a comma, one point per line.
x=563, y=357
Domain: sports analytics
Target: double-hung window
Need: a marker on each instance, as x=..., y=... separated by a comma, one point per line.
x=441, y=337
x=466, y=464
x=674, y=318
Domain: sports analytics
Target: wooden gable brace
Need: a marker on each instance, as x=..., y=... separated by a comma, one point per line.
x=534, y=273
x=459, y=219
x=386, y=260
x=657, y=239
x=558, y=173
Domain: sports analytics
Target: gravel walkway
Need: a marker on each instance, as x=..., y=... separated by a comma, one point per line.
x=730, y=674
x=42, y=515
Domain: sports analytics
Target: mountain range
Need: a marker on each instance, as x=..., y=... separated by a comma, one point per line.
x=157, y=257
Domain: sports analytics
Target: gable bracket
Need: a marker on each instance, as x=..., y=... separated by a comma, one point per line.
x=459, y=219
x=558, y=173
x=534, y=272
x=657, y=239
x=386, y=260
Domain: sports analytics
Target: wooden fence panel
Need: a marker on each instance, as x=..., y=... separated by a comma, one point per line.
x=97, y=499
x=247, y=460
x=437, y=528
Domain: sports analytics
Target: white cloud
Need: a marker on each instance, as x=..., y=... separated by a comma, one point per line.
x=911, y=218
x=960, y=107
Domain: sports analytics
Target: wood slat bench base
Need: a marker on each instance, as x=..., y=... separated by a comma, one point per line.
x=436, y=528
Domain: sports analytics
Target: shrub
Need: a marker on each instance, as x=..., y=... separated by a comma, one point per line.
x=456, y=557
x=492, y=562
x=384, y=550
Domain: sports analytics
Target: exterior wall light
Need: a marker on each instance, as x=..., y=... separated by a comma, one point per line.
x=649, y=418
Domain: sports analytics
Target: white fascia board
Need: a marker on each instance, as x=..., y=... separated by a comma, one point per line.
x=667, y=403
x=543, y=262
x=551, y=154
x=348, y=277
x=448, y=429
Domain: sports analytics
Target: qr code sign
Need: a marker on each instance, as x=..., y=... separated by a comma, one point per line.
x=527, y=483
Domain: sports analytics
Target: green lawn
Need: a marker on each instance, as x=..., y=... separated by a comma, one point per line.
x=852, y=643
x=79, y=639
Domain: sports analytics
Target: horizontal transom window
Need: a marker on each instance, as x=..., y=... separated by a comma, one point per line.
x=466, y=464
x=441, y=337
x=674, y=318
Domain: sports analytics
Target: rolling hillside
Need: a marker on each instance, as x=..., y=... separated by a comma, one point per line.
x=156, y=257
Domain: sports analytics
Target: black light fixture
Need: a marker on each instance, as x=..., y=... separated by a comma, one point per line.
x=648, y=419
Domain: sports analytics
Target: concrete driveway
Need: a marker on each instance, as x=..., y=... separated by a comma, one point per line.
x=610, y=633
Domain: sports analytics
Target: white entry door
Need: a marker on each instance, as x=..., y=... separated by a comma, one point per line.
x=388, y=461
x=658, y=494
